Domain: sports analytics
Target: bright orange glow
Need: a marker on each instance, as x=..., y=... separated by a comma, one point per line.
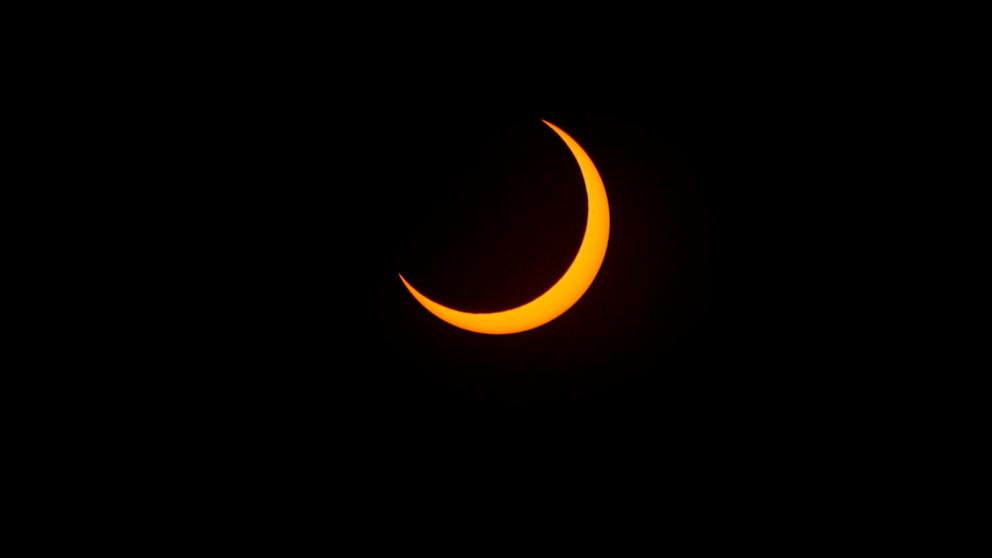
x=569, y=289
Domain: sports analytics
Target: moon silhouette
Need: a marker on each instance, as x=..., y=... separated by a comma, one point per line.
x=569, y=288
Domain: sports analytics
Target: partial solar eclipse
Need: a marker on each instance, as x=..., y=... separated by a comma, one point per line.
x=569, y=288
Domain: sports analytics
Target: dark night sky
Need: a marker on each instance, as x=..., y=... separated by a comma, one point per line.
x=702, y=323
x=278, y=172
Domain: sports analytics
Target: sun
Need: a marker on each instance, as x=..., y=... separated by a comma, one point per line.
x=568, y=289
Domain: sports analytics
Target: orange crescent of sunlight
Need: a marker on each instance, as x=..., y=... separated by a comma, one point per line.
x=572, y=285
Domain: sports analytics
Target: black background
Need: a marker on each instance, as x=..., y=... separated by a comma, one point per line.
x=245, y=337
x=251, y=184
x=326, y=175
